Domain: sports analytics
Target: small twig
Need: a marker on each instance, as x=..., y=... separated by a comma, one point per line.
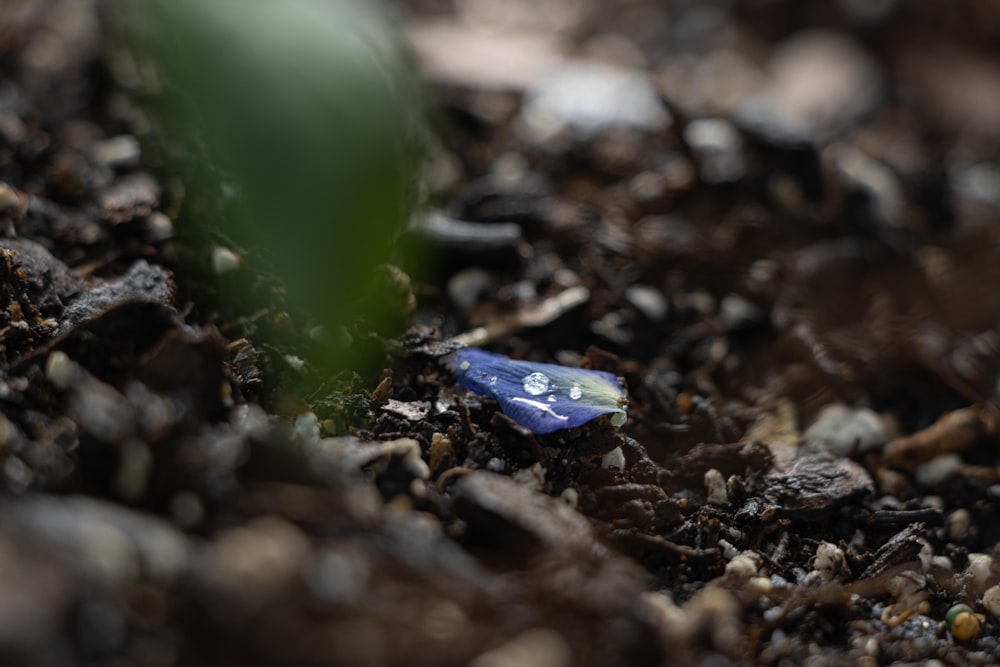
x=546, y=312
x=954, y=432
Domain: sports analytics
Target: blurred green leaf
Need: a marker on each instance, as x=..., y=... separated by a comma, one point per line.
x=306, y=108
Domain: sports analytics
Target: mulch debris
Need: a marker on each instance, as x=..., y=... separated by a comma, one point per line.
x=777, y=222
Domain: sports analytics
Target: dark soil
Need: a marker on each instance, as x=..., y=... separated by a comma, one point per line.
x=779, y=222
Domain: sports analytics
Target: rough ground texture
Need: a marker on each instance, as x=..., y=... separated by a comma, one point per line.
x=779, y=222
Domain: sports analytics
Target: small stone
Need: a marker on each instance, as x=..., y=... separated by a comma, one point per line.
x=737, y=313
x=957, y=524
x=741, y=569
x=306, y=427
x=225, y=260
x=483, y=60
x=61, y=371
x=614, y=459
x=465, y=287
x=980, y=569
x=121, y=152
x=991, y=601
x=942, y=563
x=647, y=300
x=160, y=227
x=844, y=429
x=937, y=470
x=130, y=193
x=13, y=202
x=830, y=561
x=295, y=363
x=818, y=82
x=718, y=149
x=589, y=98
x=715, y=484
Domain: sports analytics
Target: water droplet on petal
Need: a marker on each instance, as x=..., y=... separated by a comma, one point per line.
x=536, y=383
x=575, y=392
x=493, y=379
x=618, y=418
x=552, y=398
x=464, y=365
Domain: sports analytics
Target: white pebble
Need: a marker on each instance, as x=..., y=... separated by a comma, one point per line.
x=306, y=427
x=297, y=363
x=830, y=560
x=225, y=260
x=647, y=300
x=935, y=471
x=61, y=371
x=715, y=483
x=991, y=600
x=741, y=569
x=160, y=227
x=843, y=429
x=590, y=98
x=614, y=459
x=942, y=563
x=979, y=568
x=121, y=152
x=958, y=524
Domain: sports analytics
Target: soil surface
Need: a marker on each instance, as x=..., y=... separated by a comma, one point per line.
x=777, y=222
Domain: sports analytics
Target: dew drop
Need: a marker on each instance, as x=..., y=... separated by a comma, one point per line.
x=493, y=379
x=464, y=365
x=618, y=418
x=575, y=392
x=536, y=383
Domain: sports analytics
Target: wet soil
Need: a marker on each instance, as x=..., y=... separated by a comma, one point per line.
x=777, y=222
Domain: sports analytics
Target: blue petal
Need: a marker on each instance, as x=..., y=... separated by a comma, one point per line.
x=541, y=397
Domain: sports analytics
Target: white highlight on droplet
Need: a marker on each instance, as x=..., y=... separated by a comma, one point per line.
x=552, y=398
x=541, y=406
x=493, y=379
x=575, y=392
x=536, y=383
